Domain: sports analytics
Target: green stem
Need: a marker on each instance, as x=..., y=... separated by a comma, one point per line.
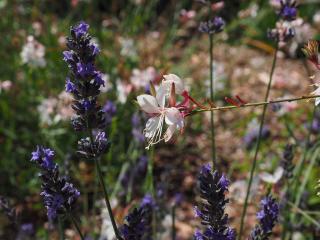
x=173, y=215
x=74, y=221
x=106, y=196
x=254, y=104
x=298, y=168
x=305, y=180
x=305, y=214
x=253, y=168
x=213, y=140
x=60, y=225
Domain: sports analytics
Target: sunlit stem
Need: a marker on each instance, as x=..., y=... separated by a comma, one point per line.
x=76, y=225
x=253, y=168
x=255, y=104
x=213, y=138
x=106, y=196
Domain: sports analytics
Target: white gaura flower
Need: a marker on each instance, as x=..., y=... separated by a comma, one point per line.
x=169, y=79
x=160, y=114
x=272, y=178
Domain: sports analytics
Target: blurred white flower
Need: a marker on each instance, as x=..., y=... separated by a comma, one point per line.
x=186, y=15
x=141, y=78
x=272, y=178
x=303, y=32
x=37, y=28
x=106, y=231
x=238, y=190
x=107, y=85
x=47, y=110
x=123, y=90
x=53, y=110
x=316, y=18
x=128, y=48
x=62, y=41
x=5, y=85
x=218, y=78
x=33, y=53
x=251, y=11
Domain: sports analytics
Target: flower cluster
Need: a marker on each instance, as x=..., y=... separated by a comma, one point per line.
x=163, y=108
x=268, y=216
x=58, y=194
x=284, y=30
x=138, y=222
x=85, y=83
x=212, y=26
x=212, y=190
x=216, y=23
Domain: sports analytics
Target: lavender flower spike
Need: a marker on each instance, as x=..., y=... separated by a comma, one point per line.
x=211, y=212
x=268, y=216
x=59, y=196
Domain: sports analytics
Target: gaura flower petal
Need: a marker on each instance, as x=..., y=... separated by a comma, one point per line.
x=278, y=174
x=151, y=127
x=148, y=103
x=173, y=117
x=172, y=78
x=272, y=178
x=161, y=96
x=169, y=132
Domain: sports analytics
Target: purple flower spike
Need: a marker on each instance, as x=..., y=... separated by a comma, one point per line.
x=213, y=187
x=267, y=216
x=59, y=196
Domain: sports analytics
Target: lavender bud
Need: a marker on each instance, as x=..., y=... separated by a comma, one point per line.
x=288, y=10
x=99, y=146
x=268, y=216
x=139, y=221
x=212, y=26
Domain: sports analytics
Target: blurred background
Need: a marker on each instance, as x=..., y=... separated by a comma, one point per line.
x=140, y=41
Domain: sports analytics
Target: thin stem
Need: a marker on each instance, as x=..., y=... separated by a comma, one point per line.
x=173, y=215
x=60, y=226
x=305, y=180
x=255, y=104
x=304, y=214
x=258, y=144
x=74, y=221
x=106, y=198
x=213, y=139
x=298, y=168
